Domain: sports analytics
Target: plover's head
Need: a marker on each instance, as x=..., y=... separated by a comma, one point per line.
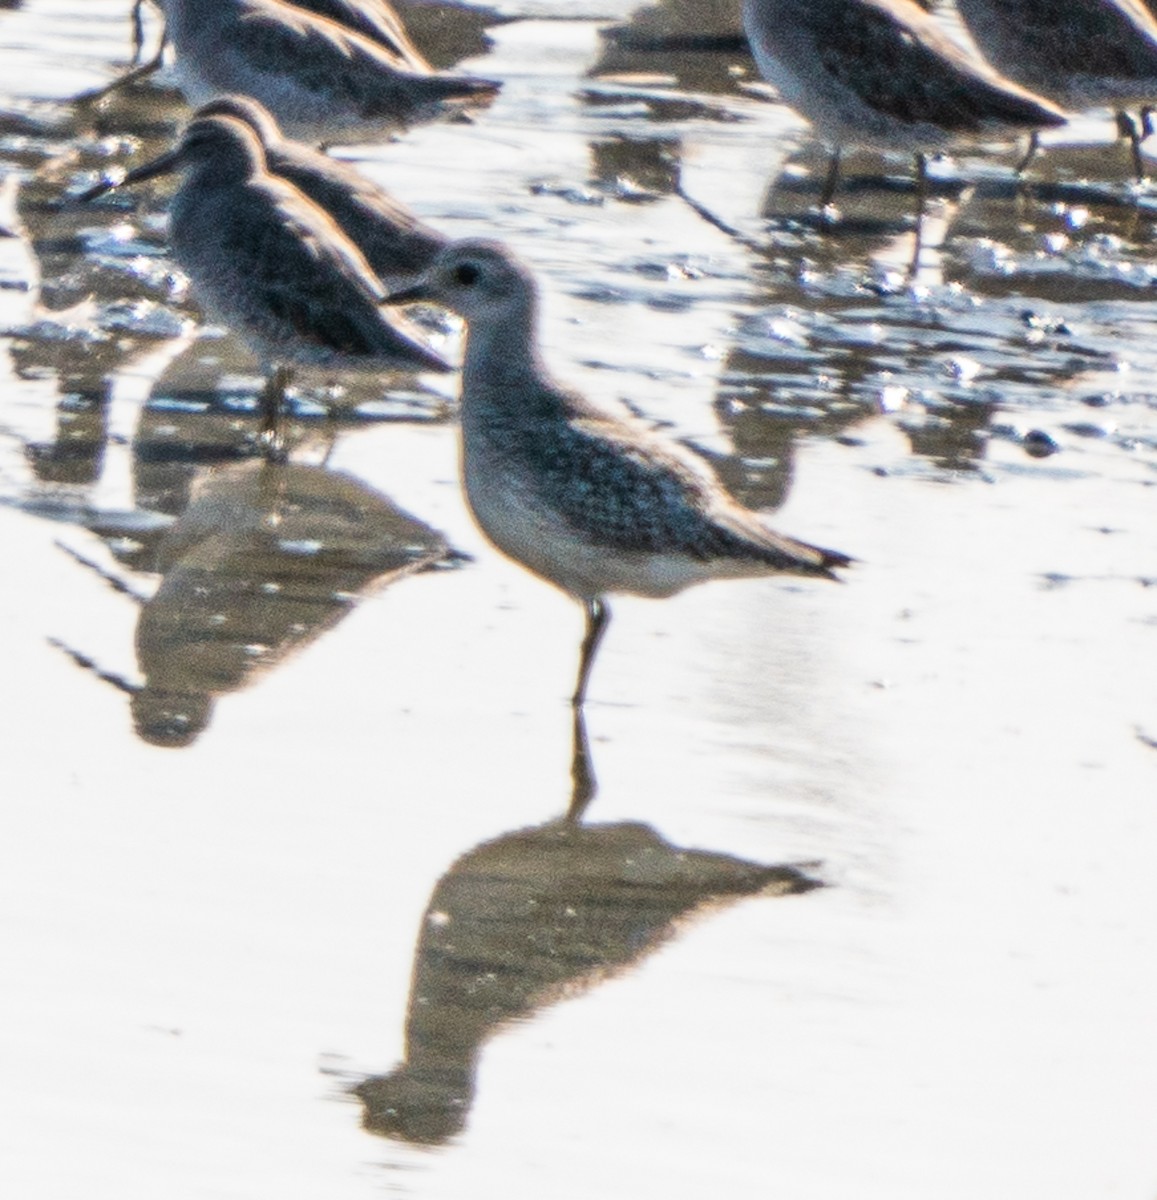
x=476, y=278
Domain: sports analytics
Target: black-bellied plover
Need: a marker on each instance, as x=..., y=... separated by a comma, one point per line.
x=584, y=498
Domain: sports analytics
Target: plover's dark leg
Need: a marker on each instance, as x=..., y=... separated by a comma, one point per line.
x=921, y=186
x=832, y=181
x=921, y=162
x=1030, y=152
x=598, y=614
x=272, y=401
x=1127, y=128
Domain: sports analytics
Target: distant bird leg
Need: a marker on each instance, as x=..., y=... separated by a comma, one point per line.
x=1030, y=153
x=598, y=614
x=921, y=162
x=921, y=186
x=1128, y=129
x=271, y=433
x=832, y=181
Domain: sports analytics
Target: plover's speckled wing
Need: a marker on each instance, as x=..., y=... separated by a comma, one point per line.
x=902, y=65
x=629, y=491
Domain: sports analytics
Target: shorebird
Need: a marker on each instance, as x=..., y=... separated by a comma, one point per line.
x=1079, y=53
x=882, y=74
x=321, y=80
x=268, y=263
x=396, y=244
x=374, y=19
x=583, y=498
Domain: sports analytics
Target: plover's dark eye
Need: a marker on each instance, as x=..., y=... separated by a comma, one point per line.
x=466, y=274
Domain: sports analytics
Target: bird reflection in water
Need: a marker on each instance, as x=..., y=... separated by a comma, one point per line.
x=265, y=560
x=533, y=917
x=700, y=43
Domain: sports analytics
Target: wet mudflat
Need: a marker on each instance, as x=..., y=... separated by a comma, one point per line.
x=287, y=901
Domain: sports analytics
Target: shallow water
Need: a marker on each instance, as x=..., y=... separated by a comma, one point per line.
x=286, y=901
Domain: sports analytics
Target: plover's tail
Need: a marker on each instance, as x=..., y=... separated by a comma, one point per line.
x=460, y=87
x=805, y=559
x=746, y=537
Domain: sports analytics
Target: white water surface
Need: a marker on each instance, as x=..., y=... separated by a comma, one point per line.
x=205, y=947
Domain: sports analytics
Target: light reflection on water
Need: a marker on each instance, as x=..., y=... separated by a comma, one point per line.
x=960, y=736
